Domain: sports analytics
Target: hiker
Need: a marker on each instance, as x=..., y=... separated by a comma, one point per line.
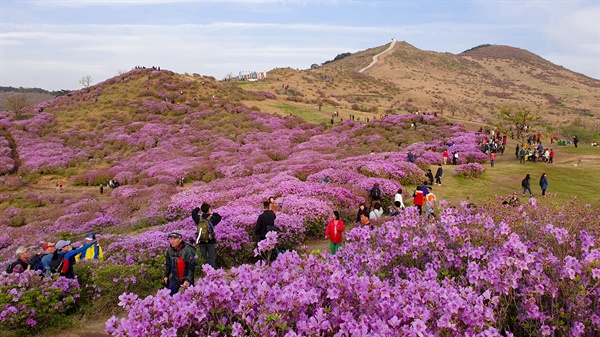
x=273, y=206
x=396, y=208
x=411, y=157
x=334, y=231
x=364, y=219
x=454, y=157
x=429, y=176
x=418, y=199
x=375, y=193
x=514, y=200
x=101, y=189
x=445, y=157
x=438, y=175
x=92, y=253
x=425, y=188
x=205, y=238
x=377, y=212
x=492, y=158
x=522, y=156
x=398, y=198
x=429, y=205
x=526, y=184
x=361, y=209
x=22, y=262
x=575, y=140
x=63, y=258
x=543, y=184
x=265, y=221
x=551, y=157
x=180, y=264
x=48, y=248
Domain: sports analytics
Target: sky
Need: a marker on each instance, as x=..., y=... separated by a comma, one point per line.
x=53, y=44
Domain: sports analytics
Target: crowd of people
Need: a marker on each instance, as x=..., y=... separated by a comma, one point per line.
x=56, y=258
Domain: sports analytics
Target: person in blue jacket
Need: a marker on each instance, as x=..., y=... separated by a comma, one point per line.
x=543, y=184
x=66, y=254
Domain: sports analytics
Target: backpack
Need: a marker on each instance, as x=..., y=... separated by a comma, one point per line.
x=206, y=231
x=524, y=183
x=272, y=228
x=375, y=193
x=35, y=262
x=10, y=267
x=58, y=264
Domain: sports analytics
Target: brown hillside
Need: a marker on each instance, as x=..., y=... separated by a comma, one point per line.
x=472, y=85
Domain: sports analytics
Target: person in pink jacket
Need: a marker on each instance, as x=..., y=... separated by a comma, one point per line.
x=334, y=232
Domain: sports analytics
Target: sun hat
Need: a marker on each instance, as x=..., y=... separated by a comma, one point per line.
x=62, y=244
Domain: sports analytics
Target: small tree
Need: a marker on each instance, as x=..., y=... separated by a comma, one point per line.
x=17, y=103
x=519, y=117
x=86, y=81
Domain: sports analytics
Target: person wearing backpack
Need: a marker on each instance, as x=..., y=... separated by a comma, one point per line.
x=63, y=259
x=180, y=264
x=375, y=193
x=265, y=222
x=205, y=238
x=22, y=262
x=49, y=248
x=526, y=184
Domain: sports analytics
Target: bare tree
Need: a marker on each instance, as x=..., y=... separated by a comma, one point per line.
x=17, y=103
x=121, y=72
x=86, y=81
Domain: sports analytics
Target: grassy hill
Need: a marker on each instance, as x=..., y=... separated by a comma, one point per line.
x=236, y=144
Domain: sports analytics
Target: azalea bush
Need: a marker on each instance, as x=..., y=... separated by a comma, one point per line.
x=494, y=271
x=470, y=171
x=32, y=303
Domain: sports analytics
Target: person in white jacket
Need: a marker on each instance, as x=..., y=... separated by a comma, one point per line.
x=398, y=197
x=377, y=212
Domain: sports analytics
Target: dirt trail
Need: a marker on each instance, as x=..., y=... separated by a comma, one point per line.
x=376, y=57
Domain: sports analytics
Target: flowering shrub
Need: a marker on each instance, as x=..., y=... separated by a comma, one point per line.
x=471, y=170
x=474, y=272
x=32, y=303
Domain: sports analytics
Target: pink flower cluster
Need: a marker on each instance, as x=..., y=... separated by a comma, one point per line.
x=474, y=272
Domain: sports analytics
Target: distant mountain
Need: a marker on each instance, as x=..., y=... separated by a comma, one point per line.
x=475, y=83
x=35, y=95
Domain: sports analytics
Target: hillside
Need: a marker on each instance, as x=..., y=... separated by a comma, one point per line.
x=235, y=144
x=473, y=85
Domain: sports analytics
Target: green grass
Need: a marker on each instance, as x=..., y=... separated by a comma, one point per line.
x=564, y=179
x=306, y=114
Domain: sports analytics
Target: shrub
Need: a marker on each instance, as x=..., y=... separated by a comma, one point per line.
x=470, y=171
x=31, y=303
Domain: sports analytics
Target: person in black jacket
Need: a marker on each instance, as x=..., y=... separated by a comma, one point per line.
x=207, y=249
x=265, y=221
x=180, y=263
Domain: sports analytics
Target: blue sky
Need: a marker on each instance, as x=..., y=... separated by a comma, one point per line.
x=52, y=44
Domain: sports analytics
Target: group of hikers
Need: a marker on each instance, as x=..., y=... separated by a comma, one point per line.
x=56, y=258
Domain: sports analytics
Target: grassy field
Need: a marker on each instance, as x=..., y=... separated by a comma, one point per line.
x=565, y=180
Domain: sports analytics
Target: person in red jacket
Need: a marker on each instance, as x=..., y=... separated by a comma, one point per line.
x=418, y=201
x=445, y=156
x=334, y=232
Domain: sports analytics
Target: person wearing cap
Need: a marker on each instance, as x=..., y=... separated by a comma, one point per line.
x=48, y=248
x=375, y=193
x=93, y=253
x=180, y=263
x=66, y=252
